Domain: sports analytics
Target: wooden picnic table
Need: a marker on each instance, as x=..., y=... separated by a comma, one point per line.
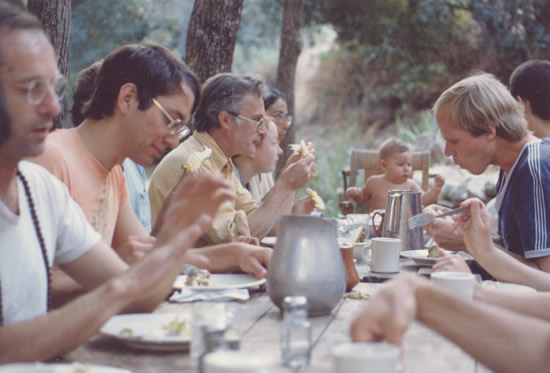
x=259, y=323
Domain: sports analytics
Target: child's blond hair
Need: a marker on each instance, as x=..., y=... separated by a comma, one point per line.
x=391, y=146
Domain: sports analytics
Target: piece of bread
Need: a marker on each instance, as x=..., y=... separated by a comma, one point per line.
x=358, y=235
x=196, y=159
x=198, y=277
x=301, y=147
x=433, y=251
x=319, y=204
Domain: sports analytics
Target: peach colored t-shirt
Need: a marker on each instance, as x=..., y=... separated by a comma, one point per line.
x=98, y=191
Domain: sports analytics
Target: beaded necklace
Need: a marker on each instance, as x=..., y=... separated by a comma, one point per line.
x=42, y=246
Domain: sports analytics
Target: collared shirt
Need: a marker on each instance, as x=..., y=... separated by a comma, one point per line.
x=260, y=185
x=231, y=219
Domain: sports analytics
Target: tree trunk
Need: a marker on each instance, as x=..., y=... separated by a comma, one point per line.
x=56, y=18
x=212, y=35
x=291, y=46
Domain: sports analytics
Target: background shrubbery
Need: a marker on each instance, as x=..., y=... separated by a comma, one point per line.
x=374, y=67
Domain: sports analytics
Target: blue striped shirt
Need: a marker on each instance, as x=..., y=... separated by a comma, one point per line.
x=524, y=215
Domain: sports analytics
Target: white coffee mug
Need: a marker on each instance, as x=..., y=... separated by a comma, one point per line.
x=378, y=357
x=385, y=254
x=360, y=250
x=231, y=361
x=458, y=282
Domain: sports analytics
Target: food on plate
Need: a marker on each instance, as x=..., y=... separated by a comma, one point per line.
x=358, y=235
x=491, y=284
x=80, y=368
x=357, y=295
x=196, y=159
x=430, y=210
x=198, y=277
x=301, y=147
x=433, y=251
x=319, y=204
x=178, y=328
x=126, y=331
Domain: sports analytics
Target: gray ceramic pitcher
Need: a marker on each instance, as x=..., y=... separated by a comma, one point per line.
x=400, y=206
x=307, y=261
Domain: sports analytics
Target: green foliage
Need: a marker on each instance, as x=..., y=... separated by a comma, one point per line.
x=258, y=42
x=513, y=31
x=100, y=26
x=395, y=55
x=409, y=133
x=332, y=154
x=417, y=30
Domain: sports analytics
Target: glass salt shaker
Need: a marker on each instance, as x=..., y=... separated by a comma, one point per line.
x=295, y=332
x=213, y=340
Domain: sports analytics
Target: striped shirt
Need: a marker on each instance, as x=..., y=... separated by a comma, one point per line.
x=523, y=202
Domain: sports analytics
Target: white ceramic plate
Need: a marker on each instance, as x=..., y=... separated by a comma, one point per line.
x=269, y=241
x=223, y=281
x=148, y=331
x=59, y=368
x=420, y=257
x=516, y=288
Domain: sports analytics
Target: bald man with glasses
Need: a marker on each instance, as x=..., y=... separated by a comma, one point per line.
x=230, y=121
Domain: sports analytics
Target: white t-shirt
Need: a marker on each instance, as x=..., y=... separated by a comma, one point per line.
x=67, y=235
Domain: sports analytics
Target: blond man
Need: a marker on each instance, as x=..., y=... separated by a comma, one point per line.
x=483, y=124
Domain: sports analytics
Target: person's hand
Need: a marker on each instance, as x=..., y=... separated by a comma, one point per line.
x=450, y=262
x=444, y=231
x=439, y=180
x=303, y=206
x=298, y=174
x=194, y=199
x=389, y=313
x=253, y=259
x=135, y=247
x=476, y=227
x=293, y=158
x=248, y=239
x=313, y=172
x=355, y=194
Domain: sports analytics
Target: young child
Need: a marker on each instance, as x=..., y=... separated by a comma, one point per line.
x=396, y=163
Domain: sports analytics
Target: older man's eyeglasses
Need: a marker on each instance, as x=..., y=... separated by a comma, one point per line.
x=258, y=123
x=38, y=87
x=175, y=126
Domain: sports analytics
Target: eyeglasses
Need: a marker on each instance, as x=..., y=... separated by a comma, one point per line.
x=175, y=126
x=258, y=123
x=280, y=117
x=38, y=87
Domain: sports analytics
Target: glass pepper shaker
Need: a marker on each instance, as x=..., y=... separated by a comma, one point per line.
x=295, y=332
x=213, y=340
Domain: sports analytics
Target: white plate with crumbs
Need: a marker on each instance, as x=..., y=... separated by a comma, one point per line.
x=59, y=368
x=420, y=257
x=223, y=282
x=151, y=331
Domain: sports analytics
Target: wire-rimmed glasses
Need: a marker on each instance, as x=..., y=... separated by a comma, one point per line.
x=175, y=126
x=38, y=87
x=258, y=123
